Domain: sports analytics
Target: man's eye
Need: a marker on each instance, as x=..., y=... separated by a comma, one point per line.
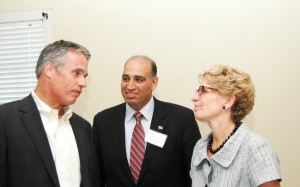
x=77, y=73
x=125, y=78
x=139, y=79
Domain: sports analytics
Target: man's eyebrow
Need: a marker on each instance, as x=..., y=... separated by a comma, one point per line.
x=135, y=76
x=139, y=77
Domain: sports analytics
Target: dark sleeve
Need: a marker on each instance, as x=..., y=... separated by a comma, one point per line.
x=96, y=174
x=97, y=150
x=89, y=158
x=190, y=137
x=3, y=153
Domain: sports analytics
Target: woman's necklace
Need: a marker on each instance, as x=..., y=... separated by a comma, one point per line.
x=210, y=141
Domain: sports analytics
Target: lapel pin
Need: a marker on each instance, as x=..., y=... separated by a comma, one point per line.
x=160, y=127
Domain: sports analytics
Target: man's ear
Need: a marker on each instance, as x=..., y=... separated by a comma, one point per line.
x=154, y=82
x=49, y=68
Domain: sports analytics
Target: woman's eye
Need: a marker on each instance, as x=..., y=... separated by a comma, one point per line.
x=204, y=90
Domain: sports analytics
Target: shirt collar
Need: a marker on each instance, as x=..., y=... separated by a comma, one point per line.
x=201, y=152
x=147, y=111
x=226, y=155
x=46, y=110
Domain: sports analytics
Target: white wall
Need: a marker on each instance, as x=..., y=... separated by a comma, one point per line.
x=261, y=37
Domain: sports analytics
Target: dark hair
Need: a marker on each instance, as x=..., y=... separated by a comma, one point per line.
x=153, y=64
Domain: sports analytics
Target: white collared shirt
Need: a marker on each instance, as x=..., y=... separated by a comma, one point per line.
x=62, y=143
x=130, y=121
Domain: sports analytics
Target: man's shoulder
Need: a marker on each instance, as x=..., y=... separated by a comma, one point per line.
x=173, y=106
x=79, y=118
x=17, y=103
x=111, y=110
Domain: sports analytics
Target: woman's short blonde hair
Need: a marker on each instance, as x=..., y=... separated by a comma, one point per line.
x=231, y=81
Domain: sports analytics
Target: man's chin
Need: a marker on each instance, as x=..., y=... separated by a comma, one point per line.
x=130, y=101
x=72, y=101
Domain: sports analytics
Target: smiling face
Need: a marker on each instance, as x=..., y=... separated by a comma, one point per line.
x=68, y=79
x=137, y=83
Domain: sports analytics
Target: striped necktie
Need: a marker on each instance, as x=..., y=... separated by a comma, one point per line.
x=137, y=149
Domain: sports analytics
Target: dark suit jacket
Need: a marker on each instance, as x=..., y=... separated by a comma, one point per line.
x=162, y=167
x=25, y=154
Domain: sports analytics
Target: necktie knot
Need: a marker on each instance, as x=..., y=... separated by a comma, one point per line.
x=138, y=116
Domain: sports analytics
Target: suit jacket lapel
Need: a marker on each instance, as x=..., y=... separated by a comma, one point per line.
x=79, y=137
x=118, y=132
x=33, y=123
x=157, y=124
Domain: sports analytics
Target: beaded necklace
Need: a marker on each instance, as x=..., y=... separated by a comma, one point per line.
x=210, y=141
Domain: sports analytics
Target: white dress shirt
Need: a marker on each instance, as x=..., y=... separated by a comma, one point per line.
x=62, y=143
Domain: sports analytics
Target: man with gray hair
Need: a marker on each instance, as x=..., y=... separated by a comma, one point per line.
x=42, y=142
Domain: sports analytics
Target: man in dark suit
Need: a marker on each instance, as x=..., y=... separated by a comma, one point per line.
x=42, y=142
x=169, y=131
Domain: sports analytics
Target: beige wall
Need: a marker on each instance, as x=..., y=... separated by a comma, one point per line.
x=261, y=37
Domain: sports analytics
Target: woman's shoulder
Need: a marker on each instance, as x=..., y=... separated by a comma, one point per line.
x=254, y=144
x=254, y=139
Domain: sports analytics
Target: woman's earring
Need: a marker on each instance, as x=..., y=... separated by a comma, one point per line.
x=224, y=107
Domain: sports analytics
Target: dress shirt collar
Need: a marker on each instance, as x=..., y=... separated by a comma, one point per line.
x=45, y=110
x=147, y=111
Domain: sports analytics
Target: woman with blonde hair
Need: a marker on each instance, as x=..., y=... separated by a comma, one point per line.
x=231, y=155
